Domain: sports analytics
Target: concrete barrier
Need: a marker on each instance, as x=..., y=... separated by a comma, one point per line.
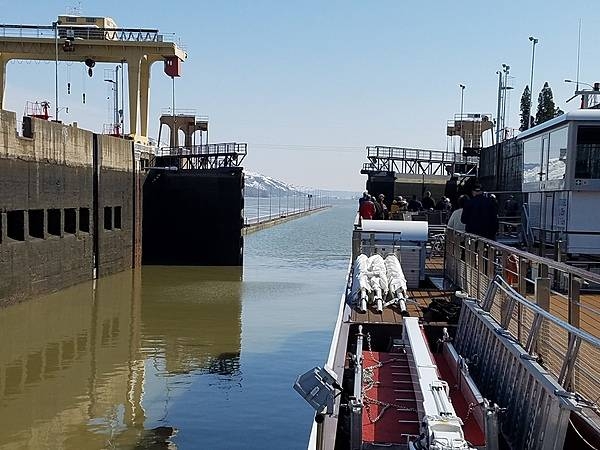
x=251, y=228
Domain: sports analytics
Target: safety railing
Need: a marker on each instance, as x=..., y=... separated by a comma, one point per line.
x=550, y=308
x=415, y=154
x=81, y=32
x=207, y=156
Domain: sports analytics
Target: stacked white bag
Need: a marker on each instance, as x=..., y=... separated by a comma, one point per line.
x=374, y=278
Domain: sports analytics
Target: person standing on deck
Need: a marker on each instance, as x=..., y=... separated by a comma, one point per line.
x=428, y=202
x=367, y=208
x=364, y=197
x=480, y=214
x=414, y=205
x=454, y=220
x=382, y=209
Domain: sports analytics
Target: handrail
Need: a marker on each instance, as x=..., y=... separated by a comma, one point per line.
x=508, y=290
x=584, y=274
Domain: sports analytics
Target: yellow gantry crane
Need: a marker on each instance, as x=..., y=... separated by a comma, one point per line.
x=91, y=40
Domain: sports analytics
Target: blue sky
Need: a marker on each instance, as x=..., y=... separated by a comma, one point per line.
x=309, y=84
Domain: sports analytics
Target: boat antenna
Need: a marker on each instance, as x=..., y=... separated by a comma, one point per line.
x=578, y=55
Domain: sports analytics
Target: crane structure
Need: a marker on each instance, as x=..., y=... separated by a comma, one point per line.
x=72, y=40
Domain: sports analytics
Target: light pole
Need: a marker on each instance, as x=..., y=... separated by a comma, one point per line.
x=585, y=95
x=505, y=88
x=499, y=73
x=462, y=97
x=55, y=25
x=580, y=82
x=534, y=41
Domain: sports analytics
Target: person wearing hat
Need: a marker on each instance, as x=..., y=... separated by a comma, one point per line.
x=381, y=210
x=480, y=214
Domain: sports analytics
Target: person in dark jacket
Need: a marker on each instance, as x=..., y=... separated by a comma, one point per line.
x=384, y=209
x=428, y=202
x=480, y=214
x=451, y=190
x=414, y=205
x=378, y=209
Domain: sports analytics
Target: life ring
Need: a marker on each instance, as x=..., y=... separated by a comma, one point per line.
x=511, y=271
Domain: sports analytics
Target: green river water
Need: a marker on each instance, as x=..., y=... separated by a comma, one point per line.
x=211, y=352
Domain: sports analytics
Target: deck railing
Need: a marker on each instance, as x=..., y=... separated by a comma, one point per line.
x=571, y=296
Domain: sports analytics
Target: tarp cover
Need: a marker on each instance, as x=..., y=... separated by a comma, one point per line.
x=408, y=230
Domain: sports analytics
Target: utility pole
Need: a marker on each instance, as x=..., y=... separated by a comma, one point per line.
x=462, y=96
x=499, y=73
x=505, y=88
x=534, y=41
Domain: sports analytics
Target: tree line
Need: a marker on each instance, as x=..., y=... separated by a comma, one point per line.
x=546, y=109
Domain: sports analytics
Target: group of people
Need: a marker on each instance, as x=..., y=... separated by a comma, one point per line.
x=373, y=208
x=376, y=208
x=474, y=212
x=477, y=213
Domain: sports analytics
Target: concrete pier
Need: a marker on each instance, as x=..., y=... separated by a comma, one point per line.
x=251, y=228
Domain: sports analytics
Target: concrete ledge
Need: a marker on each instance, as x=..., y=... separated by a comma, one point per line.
x=251, y=228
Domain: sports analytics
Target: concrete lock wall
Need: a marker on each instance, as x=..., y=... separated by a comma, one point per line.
x=66, y=206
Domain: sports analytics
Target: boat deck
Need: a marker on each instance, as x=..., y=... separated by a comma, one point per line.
x=473, y=431
x=390, y=401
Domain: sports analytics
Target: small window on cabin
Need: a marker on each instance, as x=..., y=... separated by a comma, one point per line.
x=532, y=160
x=36, y=223
x=72, y=19
x=84, y=220
x=15, y=225
x=587, y=164
x=54, y=222
x=117, y=217
x=557, y=154
x=70, y=220
x=108, y=218
x=90, y=19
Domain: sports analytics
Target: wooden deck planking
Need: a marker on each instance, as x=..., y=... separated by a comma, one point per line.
x=391, y=315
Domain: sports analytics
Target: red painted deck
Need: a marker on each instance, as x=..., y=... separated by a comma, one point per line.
x=473, y=432
x=394, y=387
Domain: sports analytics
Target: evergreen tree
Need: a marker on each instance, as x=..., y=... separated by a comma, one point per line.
x=525, y=109
x=546, y=109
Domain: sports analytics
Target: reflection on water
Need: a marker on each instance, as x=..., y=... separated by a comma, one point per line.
x=73, y=364
x=178, y=357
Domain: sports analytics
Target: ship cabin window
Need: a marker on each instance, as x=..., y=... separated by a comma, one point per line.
x=587, y=163
x=71, y=19
x=36, y=223
x=532, y=160
x=70, y=221
x=117, y=217
x=84, y=220
x=15, y=225
x=557, y=154
x=108, y=223
x=54, y=227
x=90, y=20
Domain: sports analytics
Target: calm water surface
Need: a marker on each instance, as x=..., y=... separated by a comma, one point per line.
x=212, y=352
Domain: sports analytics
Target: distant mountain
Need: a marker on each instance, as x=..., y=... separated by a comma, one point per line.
x=268, y=186
x=255, y=182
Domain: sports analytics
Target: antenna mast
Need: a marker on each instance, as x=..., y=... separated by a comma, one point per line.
x=578, y=54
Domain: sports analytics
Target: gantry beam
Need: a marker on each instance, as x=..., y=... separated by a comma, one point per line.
x=139, y=56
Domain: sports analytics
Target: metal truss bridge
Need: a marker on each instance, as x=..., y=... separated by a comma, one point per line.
x=417, y=161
